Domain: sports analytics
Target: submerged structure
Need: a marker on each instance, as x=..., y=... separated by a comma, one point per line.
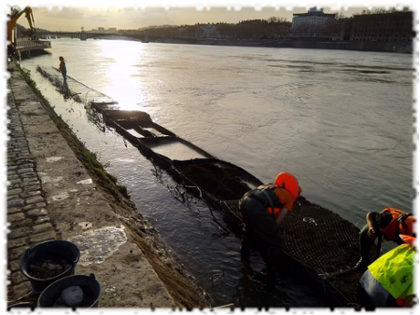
x=318, y=244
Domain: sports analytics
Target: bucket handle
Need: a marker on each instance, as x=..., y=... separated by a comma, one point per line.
x=73, y=265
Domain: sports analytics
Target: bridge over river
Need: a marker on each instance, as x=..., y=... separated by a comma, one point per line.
x=88, y=35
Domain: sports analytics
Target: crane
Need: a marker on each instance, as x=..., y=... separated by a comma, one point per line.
x=11, y=24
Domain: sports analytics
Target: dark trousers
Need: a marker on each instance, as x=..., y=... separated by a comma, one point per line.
x=371, y=294
x=261, y=232
x=365, y=244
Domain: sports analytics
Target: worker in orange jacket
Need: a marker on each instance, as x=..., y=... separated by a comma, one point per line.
x=388, y=224
x=263, y=209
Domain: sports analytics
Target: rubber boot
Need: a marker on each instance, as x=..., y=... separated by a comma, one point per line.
x=245, y=246
x=273, y=262
x=271, y=277
x=365, y=245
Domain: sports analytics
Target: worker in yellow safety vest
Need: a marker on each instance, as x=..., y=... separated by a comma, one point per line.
x=388, y=281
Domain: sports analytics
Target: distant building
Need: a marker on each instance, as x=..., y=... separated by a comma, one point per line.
x=208, y=31
x=346, y=27
x=131, y=31
x=383, y=27
x=182, y=30
x=313, y=24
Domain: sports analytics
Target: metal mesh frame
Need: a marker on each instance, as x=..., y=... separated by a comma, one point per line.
x=321, y=243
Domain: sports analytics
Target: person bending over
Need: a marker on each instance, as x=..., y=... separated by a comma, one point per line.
x=263, y=209
x=388, y=224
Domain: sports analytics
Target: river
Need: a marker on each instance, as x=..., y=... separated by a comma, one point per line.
x=341, y=121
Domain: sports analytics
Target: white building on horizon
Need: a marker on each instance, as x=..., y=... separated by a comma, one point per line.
x=313, y=24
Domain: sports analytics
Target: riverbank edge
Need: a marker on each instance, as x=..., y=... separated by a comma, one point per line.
x=389, y=47
x=182, y=287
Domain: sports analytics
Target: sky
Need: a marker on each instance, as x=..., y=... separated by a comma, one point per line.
x=130, y=14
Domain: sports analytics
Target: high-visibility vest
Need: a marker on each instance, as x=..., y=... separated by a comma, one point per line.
x=409, y=226
x=392, y=229
x=398, y=272
x=410, y=240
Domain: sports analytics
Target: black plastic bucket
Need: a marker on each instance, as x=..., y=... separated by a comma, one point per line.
x=21, y=308
x=57, y=250
x=91, y=288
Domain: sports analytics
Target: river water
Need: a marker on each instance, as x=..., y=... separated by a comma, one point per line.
x=341, y=121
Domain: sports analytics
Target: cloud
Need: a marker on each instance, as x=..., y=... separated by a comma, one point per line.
x=98, y=18
x=137, y=16
x=65, y=14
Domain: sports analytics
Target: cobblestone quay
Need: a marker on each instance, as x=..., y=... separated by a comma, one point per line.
x=27, y=217
x=51, y=196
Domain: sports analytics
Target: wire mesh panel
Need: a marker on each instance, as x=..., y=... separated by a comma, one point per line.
x=322, y=243
x=320, y=238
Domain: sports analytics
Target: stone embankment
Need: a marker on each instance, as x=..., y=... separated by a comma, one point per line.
x=397, y=47
x=53, y=195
